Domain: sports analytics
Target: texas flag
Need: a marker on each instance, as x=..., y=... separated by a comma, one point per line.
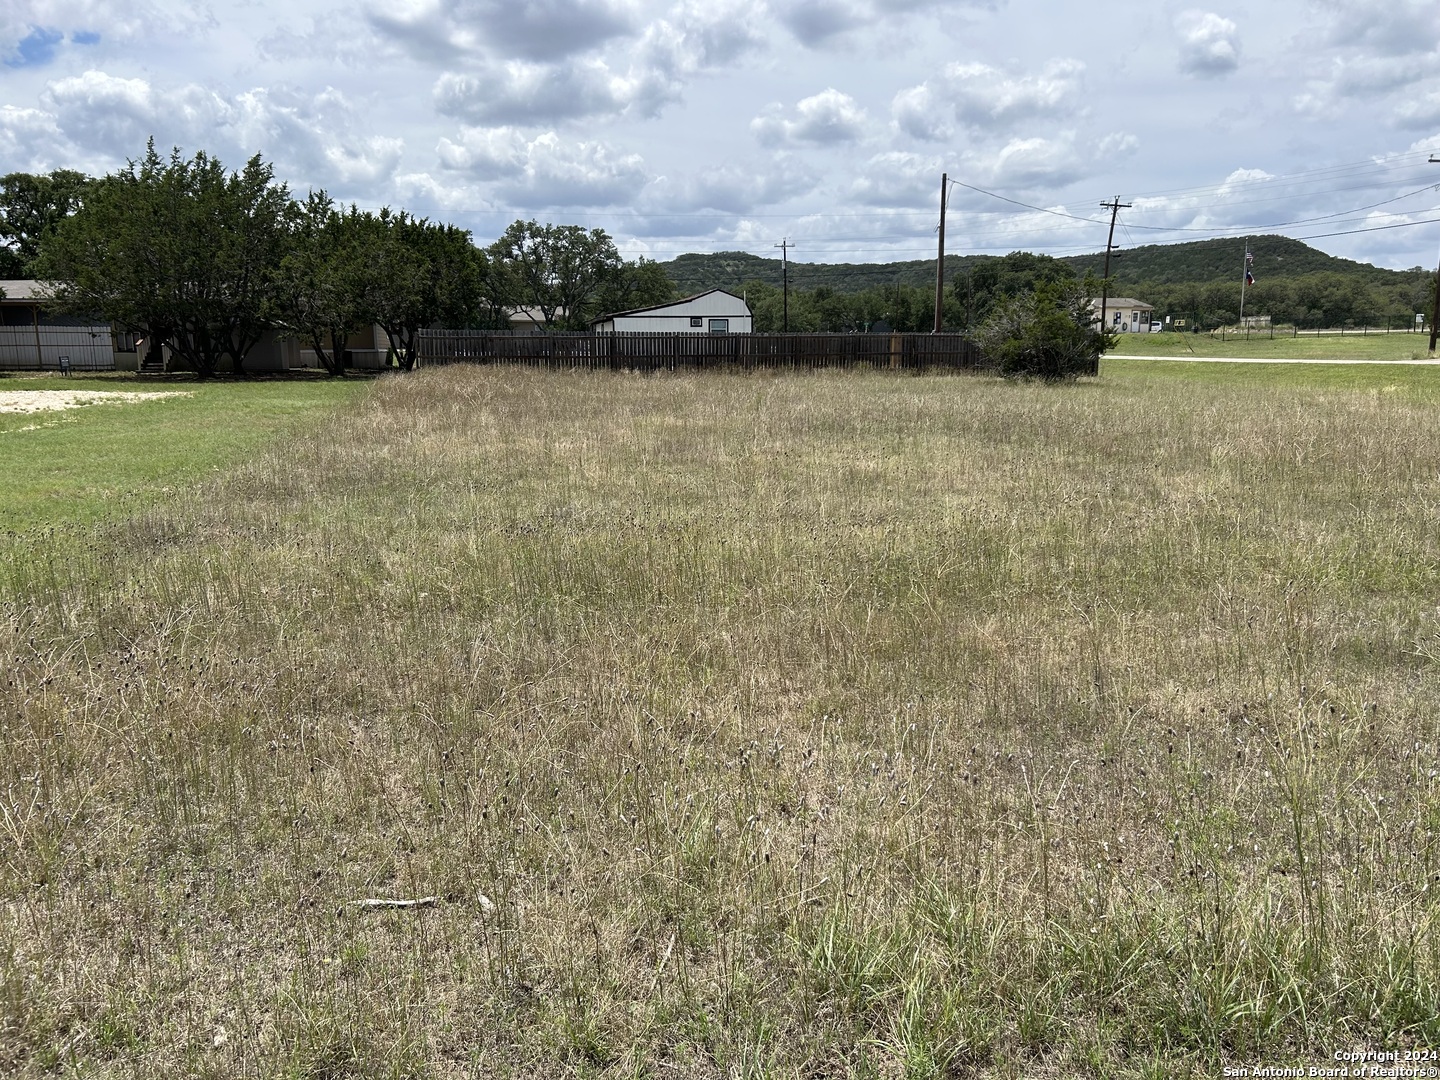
x=1249, y=278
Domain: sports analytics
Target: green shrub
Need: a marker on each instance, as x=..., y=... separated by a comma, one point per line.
x=1047, y=333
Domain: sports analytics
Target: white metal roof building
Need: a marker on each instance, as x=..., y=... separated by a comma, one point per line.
x=713, y=312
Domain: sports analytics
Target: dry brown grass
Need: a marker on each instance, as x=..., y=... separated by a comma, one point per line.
x=842, y=725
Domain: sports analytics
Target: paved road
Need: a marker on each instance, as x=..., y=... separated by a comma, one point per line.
x=1268, y=360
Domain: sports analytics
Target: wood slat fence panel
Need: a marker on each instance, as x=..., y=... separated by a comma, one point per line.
x=684, y=352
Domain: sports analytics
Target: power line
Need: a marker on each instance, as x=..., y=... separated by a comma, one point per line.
x=1287, y=224
x=1028, y=206
x=1373, y=228
x=1330, y=171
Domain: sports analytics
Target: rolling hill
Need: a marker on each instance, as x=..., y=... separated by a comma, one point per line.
x=731, y=269
x=1194, y=262
x=1205, y=261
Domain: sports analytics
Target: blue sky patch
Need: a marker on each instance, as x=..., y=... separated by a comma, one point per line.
x=36, y=49
x=85, y=37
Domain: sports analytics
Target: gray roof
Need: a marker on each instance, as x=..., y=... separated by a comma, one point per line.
x=25, y=289
x=1115, y=302
x=669, y=304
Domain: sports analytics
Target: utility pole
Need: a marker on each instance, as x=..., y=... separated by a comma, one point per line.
x=1244, y=280
x=940, y=261
x=1435, y=310
x=1114, y=206
x=784, y=246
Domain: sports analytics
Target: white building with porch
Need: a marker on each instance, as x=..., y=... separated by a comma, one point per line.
x=712, y=312
x=1125, y=314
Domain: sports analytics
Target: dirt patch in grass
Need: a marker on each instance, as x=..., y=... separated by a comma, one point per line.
x=32, y=401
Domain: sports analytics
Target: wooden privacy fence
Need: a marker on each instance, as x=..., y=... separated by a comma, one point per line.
x=681, y=352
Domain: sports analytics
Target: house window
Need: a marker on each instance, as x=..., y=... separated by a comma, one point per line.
x=124, y=340
x=696, y=320
x=719, y=326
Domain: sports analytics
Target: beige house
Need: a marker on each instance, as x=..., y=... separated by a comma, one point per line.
x=367, y=350
x=531, y=320
x=1124, y=314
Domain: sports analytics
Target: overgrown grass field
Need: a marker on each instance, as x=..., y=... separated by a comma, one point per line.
x=840, y=725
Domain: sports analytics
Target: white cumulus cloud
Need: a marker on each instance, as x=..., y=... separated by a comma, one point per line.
x=819, y=23
x=101, y=22
x=1389, y=27
x=100, y=120
x=637, y=75
x=826, y=118
x=980, y=97
x=524, y=92
x=1422, y=111
x=444, y=30
x=735, y=188
x=546, y=170
x=1037, y=163
x=117, y=115
x=1209, y=44
x=898, y=178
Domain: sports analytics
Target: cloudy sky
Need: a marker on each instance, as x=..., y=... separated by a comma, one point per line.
x=734, y=124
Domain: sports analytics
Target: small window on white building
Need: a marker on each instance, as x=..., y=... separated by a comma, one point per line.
x=696, y=320
x=719, y=326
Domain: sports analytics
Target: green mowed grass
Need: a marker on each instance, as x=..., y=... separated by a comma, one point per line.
x=1412, y=382
x=78, y=465
x=840, y=725
x=1282, y=346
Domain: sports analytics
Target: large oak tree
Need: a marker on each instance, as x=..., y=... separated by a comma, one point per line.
x=558, y=273
x=31, y=206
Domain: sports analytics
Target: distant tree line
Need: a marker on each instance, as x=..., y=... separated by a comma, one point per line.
x=1310, y=301
x=206, y=261
x=970, y=296
x=902, y=308
x=1325, y=299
